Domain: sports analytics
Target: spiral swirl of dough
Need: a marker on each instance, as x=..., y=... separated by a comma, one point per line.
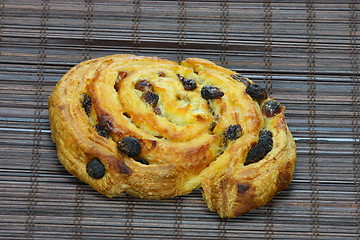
x=157, y=129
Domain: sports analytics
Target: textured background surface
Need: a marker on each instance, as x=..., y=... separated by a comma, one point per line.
x=305, y=53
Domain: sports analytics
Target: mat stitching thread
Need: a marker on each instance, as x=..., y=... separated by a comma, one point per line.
x=268, y=85
x=354, y=62
x=2, y=7
x=181, y=30
x=224, y=20
x=269, y=215
x=32, y=201
x=79, y=198
x=180, y=57
x=224, y=25
x=222, y=228
x=80, y=188
x=136, y=45
x=178, y=217
x=135, y=26
x=314, y=208
x=268, y=45
x=129, y=217
x=88, y=29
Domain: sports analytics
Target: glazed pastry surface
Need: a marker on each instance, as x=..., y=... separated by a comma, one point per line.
x=156, y=129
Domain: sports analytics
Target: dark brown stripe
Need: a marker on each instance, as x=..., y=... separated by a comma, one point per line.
x=39, y=106
x=314, y=204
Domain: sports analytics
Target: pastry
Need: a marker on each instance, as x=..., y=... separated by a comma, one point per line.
x=157, y=129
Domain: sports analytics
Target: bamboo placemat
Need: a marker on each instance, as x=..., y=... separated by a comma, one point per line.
x=306, y=53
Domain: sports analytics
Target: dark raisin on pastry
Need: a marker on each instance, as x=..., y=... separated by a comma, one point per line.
x=121, y=75
x=242, y=79
x=256, y=92
x=233, y=132
x=189, y=84
x=180, y=77
x=142, y=161
x=102, y=130
x=271, y=108
x=144, y=85
x=262, y=148
x=130, y=146
x=95, y=168
x=161, y=74
x=86, y=103
x=150, y=98
x=157, y=110
x=211, y=92
x=126, y=114
x=212, y=126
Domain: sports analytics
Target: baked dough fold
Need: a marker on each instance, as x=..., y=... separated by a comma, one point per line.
x=156, y=129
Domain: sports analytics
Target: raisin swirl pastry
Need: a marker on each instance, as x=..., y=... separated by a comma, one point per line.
x=157, y=129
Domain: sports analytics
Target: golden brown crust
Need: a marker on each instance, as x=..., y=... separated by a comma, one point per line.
x=181, y=133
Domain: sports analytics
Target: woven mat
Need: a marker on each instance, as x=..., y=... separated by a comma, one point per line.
x=305, y=53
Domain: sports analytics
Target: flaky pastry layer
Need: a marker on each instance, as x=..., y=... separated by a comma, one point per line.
x=156, y=129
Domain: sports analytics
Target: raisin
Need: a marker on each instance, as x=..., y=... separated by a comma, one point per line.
x=86, y=104
x=95, y=168
x=144, y=85
x=180, y=77
x=189, y=84
x=150, y=98
x=142, y=161
x=265, y=137
x=211, y=92
x=242, y=79
x=271, y=108
x=212, y=126
x=256, y=92
x=233, y=132
x=161, y=74
x=121, y=75
x=117, y=86
x=130, y=146
x=126, y=114
x=157, y=110
x=105, y=121
x=262, y=148
x=102, y=130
